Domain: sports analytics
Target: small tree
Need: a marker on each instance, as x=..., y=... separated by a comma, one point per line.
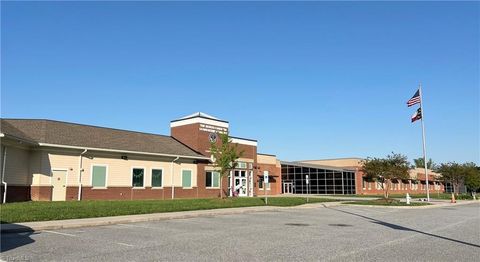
x=452, y=173
x=472, y=179
x=419, y=163
x=225, y=155
x=384, y=170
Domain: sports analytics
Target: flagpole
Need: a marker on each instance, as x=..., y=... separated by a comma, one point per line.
x=423, y=139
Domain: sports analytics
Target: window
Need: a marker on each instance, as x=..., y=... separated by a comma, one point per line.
x=250, y=165
x=186, y=178
x=241, y=165
x=157, y=176
x=99, y=176
x=137, y=177
x=212, y=179
x=260, y=184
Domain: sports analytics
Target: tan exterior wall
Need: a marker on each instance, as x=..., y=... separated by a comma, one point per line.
x=119, y=171
x=341, y=162
x=17, y=166
x=266, y=159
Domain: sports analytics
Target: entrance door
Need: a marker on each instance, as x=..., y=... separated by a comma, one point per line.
x=59, y=179
x=240, y=182
x=287, y=187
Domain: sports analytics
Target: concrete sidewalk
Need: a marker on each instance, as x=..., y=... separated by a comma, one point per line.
x=99, y=221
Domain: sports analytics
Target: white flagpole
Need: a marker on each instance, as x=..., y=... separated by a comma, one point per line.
x=423, y=138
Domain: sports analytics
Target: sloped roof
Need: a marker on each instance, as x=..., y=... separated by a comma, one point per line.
x=44, y=131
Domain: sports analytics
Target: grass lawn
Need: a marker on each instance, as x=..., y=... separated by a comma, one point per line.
x=433, y=195
x=382, y=202
x=42, y=211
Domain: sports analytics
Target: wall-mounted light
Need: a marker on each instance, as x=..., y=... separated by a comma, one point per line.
x=125, y=157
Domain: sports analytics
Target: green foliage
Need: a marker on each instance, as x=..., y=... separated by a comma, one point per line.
x=458, y=174
x=420, y=163
x=472, y=179
x=43, y=211
x=384, y=170
x=225, y=155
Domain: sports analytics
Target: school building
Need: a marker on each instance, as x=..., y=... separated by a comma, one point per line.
x=47, y=160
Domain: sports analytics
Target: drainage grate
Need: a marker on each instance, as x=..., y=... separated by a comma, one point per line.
x=297, y=224
x=339, y=225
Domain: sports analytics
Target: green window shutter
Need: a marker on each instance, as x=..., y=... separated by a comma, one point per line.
x=156, y=178
x=208, y=179
x=137, y=177
x=99, y=176
x=216, y=179
x=186, y=178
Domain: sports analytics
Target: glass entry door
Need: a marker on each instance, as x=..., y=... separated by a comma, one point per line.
x=240, y=182
x=287, y=188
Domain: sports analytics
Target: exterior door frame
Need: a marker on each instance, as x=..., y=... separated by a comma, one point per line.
x=289, y=186
x=51, y=181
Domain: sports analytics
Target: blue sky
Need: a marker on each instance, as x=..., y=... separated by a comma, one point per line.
x=309, y=80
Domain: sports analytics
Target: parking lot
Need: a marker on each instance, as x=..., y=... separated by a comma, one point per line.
x=342, y=233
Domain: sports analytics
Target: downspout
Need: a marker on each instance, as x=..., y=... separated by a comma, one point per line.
x=3, y=174
x=173, y=185
x=80, y=175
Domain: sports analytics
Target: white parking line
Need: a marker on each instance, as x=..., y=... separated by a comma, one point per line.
x=59, y=233
x=130, y=225
x=123, y=244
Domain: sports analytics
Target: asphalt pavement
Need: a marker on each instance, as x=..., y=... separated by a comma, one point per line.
x=337, y=233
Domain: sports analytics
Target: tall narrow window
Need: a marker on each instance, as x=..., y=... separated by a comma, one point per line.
x=157, y=177
x=137, y=177
x=212, y=179
x=99, y=176
x=186, y=178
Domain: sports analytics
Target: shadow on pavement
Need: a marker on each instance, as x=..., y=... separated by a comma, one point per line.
x=18, y=237
x=399, y=227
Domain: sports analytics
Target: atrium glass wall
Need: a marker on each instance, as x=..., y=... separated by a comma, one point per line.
x=322, y=181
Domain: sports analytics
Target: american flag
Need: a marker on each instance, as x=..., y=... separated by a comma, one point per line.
x=414, y=100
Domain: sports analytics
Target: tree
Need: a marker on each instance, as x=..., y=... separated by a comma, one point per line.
x=419, y=163
x=224, y=156
x=472, y=179
x=385, y=170
x=452, y=173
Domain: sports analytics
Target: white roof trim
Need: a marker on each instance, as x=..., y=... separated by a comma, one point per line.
x=200, y=114
x=120, y=151
x=243, y=141
x=199, y=120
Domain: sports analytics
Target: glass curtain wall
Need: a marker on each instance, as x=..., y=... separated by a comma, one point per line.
x=322, y=181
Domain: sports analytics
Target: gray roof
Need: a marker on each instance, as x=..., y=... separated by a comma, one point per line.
x=42, y=131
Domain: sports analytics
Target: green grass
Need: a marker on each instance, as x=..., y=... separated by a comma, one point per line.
x=432, y=195
x=43, y=211
x=383, y=202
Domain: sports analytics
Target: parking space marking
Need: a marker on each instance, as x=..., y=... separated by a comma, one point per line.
x=124, y=244
x=130, y=225
x=59, y=233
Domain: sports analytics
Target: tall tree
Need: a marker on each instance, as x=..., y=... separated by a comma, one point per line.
x=224, y=156
x=452, y=173
x=419, y=163
x=385, y=170
x=472, y=179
